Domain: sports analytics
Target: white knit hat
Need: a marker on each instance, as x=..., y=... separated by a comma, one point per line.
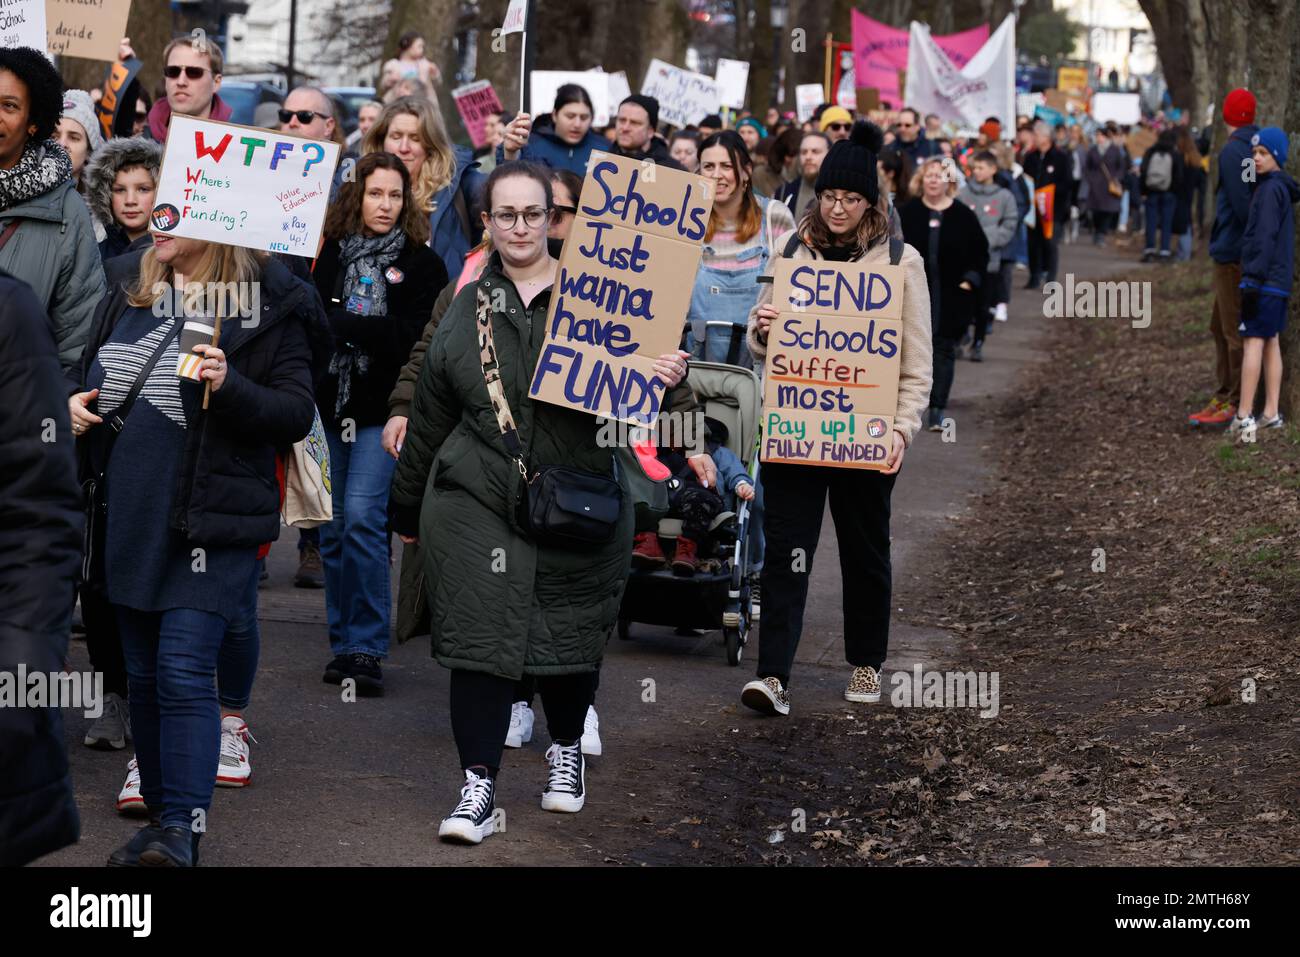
x=77, y=105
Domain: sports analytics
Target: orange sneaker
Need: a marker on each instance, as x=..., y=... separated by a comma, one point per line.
x=1218, y=412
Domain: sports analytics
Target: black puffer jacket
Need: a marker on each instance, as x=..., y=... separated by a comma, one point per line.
x=40, y=549
x=228, y=493
x=656, y=151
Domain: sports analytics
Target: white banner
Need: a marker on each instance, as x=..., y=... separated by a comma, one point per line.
x=544, y=83
x=244, y=186
x=1122, y=108
x=985, y=87
x=22, y=24
x=516, y=14
x=684, y=97
x=807, y=97
x=733, y=82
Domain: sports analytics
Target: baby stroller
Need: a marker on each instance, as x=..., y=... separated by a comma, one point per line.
x=718, y=594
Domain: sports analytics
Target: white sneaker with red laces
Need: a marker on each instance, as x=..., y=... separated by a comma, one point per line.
x=129, y=801
x=233, y=768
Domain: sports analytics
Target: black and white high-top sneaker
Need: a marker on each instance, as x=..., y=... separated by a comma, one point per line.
x=566, y=786
x=471, y=821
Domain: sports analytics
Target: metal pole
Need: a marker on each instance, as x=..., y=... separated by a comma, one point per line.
x=290, y=74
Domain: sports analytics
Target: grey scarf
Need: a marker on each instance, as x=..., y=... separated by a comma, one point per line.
x=42, y=167
x=363, y=256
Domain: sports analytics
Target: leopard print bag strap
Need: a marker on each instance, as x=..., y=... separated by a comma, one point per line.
x=492, y=378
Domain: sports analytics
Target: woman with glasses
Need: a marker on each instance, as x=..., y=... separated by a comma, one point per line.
x=848, y=223
x=502, y=604
x=563, y=139
x=445, y=181
x=952, y=243
x=378, y=281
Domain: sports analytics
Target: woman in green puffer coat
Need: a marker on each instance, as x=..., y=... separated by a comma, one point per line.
x=502, y=605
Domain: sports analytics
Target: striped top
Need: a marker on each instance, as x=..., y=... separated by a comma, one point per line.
x=722, y=251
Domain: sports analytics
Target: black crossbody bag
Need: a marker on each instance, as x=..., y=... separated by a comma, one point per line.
x=95, y=489
x=560, y=506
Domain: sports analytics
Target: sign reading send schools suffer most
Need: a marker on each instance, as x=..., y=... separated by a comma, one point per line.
x=830, y=387
x=244, y=186
x=623, y=288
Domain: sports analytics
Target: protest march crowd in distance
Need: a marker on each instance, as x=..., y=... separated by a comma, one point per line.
x=413, y=339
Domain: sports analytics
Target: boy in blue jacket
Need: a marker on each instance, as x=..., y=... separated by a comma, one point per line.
x=1267, y=263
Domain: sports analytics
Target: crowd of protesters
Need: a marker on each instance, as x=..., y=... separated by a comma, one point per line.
x=407, y=341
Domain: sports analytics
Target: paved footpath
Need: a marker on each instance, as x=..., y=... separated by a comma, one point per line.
x=365, y=783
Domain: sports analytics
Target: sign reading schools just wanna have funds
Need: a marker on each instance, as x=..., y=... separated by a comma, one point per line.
x=622, y=288
x=244, y=186
x=830, y=387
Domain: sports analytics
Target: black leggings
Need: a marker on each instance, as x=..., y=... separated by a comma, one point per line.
x=526, y=689
x=103, y=642
x=480, y=712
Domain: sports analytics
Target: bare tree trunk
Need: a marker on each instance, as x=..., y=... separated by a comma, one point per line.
x=762, y=76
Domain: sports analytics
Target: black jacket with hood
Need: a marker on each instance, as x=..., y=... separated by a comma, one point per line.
x=656, y=152
x=227, y=490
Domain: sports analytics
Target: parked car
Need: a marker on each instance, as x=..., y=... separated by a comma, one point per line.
x=350, y=100
x=244, y=97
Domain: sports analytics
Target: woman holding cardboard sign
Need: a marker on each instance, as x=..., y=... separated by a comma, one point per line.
x=562, y=140
x=185, y=492
x=848, y=223
x=378, y=282
x=505, y=602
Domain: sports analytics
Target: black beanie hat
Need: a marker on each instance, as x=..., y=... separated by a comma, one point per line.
x=647, y=103
x=851, y=164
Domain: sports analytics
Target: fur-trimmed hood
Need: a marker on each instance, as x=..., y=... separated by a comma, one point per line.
x=111, y=158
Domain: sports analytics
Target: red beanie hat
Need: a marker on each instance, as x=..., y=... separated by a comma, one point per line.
x=1239, y=108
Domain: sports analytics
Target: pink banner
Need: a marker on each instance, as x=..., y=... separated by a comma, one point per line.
x=880, y=51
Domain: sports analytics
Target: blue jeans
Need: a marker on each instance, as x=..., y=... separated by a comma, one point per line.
x=237, y=660
x=1160, y=213
x=171, y=665
x=354, y=546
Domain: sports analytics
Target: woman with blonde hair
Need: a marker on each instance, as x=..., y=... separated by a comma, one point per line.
x=182, y=457
x=445, y=181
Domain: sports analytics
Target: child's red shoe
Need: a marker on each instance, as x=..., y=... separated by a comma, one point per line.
x=685, y=561
x=646, y=552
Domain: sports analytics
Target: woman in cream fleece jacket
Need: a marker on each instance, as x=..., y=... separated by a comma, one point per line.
x=848, y=223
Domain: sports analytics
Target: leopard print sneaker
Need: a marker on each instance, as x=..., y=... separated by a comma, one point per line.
x=766, y=695
x=864, y=686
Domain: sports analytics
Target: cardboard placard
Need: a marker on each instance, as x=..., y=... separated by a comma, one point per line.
x=733, y=82
x=244, y=186
x=618, y=87
x=86, y=28
x=807, y=97
x=868, y=99
x=475, y=102
x=830, y=383
x=544, y=83
x=1072, y=79
x=1139, y=140
x=22, y=24
x=622, y=289
x=684, y=97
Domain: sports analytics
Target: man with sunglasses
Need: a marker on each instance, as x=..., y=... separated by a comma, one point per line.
x=910, y=141
x=192, y=76
x=836, y=122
